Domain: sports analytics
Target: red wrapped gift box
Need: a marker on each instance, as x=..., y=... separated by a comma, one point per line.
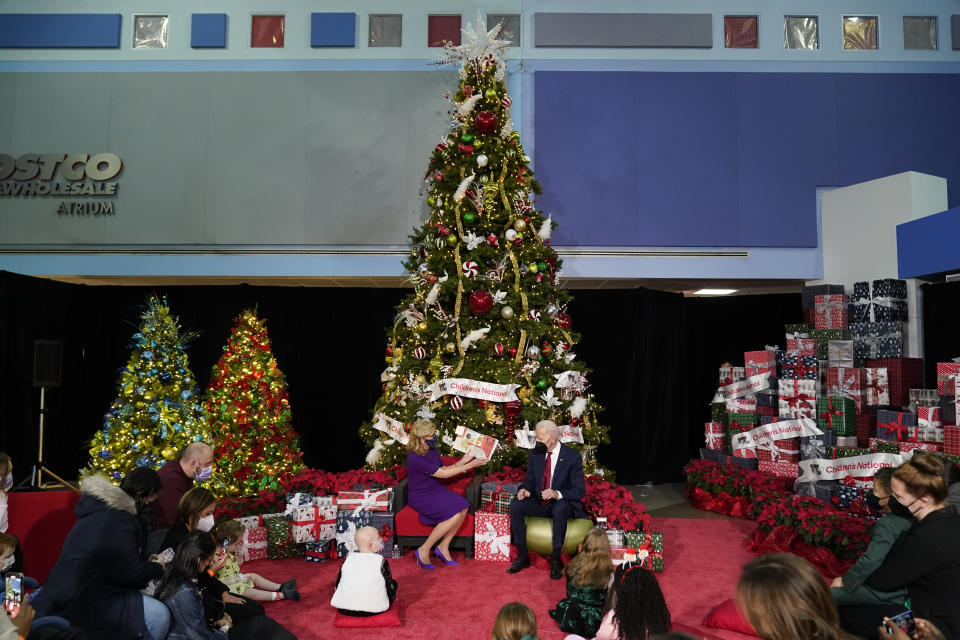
x=780, y=469
x=866, y=427
x=749, y=452
x=830, y=312
x=786, y=450
x=951, y=439
x=876, y=387
x=801, y=347
x=947, y=374
x=714, y=434
x=903, y=374
x=798, y=398
x=491, y=536
x=771, y=412
x=758, y=362
x=929, y=417
x=847, y=383
x=926, y=446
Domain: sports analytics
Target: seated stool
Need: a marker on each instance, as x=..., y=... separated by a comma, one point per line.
x=540, y=534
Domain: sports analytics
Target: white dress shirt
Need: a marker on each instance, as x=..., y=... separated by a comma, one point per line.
x=554, y=456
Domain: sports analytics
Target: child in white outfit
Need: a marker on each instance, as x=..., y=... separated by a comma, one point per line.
x=365, y=586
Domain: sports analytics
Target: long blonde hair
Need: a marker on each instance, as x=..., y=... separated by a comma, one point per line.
x=785, y=598
x=514, y=621
x=592, y=566
x=421, y=429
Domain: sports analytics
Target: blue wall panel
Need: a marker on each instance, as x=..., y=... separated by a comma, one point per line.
x=208, y=30
x=928, y=246
x=60, y=30
x=729, y=159
x=333, y=29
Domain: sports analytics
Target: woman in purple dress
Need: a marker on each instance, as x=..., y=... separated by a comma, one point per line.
x=435, y=504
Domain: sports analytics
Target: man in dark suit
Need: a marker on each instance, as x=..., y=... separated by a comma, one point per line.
x=553, y=488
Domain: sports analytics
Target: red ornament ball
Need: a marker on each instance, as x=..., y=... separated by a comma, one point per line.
x=499, y=349
x=419, y=353
x=480, y=301
x=518, y=242
x=389, y=350
x=486, y=122
x=456, y=403
x=492, y=239
x=444, y=231
x=512, y=408
x=564, y=320
x=513, y=351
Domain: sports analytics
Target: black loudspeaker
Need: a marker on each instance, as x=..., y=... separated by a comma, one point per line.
x=47, y=361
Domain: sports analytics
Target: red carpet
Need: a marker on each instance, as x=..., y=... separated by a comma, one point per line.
x=702, y=560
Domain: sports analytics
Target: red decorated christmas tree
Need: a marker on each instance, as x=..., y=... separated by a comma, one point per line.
x=248, y=410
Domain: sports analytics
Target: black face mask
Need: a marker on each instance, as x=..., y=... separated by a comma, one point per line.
x=873, y=501
x=900, y=509
x=145, y=511
x=539, y=448
x=432, y=443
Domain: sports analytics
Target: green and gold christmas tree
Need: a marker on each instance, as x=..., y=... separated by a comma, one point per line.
x=484, y=341
x=157, y=410
x=248, y=409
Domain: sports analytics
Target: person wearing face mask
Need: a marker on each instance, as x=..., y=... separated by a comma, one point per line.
x=6, y=484
x=925, y=561
x=850, y=588
x=178, y=476
x=433, y=502
x=97, y=579
x=180, y=591
x=553, y=488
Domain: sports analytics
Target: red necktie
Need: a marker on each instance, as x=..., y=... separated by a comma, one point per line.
x=546, y=474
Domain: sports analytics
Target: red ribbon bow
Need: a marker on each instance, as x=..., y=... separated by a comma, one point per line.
x=830, y=412
x=900, y=429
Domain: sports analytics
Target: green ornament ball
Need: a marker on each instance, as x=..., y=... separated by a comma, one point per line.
x=431, y=201
x=452, y=239
x=533, y=267
x=490, y=93
x=469, y=216
x=466, y=137
x=542, y=383
x=478, y=143
x=542, y=266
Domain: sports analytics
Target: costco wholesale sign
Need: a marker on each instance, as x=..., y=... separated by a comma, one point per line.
x=75, y=176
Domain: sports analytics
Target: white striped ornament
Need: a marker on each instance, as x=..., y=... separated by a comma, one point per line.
x=456, y=403
x=419, y=353
x=470, y=268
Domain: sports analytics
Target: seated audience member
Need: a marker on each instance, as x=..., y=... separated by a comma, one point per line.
x=365, y=586
x=229, y=535
x=178, y=590
x=97, y=579
x=785, y=598
x=8, y=545
x=195, y=513
x=926, y=561
x=588, y=578
x=515, y=621
x=177, y=476
x=635, y=607
x=850, y=589
x=925, y=631
x=6, y=484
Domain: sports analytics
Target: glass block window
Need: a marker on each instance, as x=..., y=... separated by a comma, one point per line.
x=920, y=32
x=385, y=30
x=511, y=26
x=442, y=29
x=150, y=32
x=267, y=31
x=801, y=32
x=741, y=32
x=860, y=33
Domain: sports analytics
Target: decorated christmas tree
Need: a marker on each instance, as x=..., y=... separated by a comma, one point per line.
x=157, y=410
x=248, y=409
x=484, y=341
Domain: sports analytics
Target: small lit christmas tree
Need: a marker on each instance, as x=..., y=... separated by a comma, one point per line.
x=157, y=411
x=248, y=409
x=484, y=341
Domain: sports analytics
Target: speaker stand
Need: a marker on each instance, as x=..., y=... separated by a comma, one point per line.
x=36, y=473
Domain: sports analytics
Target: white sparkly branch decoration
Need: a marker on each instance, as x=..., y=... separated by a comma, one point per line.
x=473, y=240
x=550, y=399
x=506, y=129
x=462, y=189
x=499, y=297
x=546, y=228
x=578, y=406
x=467, y=105
x=472, y=337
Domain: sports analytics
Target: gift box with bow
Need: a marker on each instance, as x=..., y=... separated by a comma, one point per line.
x=311, y=523
x=846, y=383
x=845, y=452
x=295, y=500
x=797, y=331
x=784, y=450
x=491, y=537
x=779, y=469
x=823, y=337
x=499, y=494
x=347, y=524
x=879, y=301
x=846, y=494
x=951, y=439
x=903, y=374
x=714, y=433
x=877, y=340
x=649, y=548
x=741, y=421
x=840, y=353
x=757, y=362
x=947, y=374
x=830, y=312
x=808, y=294
x=896, y=426
x=884, y=446
x=929, y=417
x=366, y=500
x=816, y=446
x=799, y=368
x=798, y=398
x=837, y=413
x=876, y=387
x=280, y=542
x=254, y=543
x=801, y=347
x=319, y=551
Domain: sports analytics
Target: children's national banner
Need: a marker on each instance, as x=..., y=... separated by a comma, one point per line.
x=796, y=428
x=836, y=469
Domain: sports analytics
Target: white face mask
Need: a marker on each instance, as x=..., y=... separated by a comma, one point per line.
x=7, y=563
x=8, y=482
x=205, y=523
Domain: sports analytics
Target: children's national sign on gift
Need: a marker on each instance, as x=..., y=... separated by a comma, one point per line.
x=782, y=430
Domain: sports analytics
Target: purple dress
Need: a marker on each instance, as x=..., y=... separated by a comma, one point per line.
x=426, y=494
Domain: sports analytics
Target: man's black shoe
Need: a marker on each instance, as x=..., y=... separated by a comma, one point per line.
x=521, y=563
x=556, y=567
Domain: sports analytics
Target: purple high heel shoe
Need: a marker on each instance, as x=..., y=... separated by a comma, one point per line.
x=449, y=563
x=421, y=564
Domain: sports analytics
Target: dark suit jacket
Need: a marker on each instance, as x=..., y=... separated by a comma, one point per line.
x=567, y=477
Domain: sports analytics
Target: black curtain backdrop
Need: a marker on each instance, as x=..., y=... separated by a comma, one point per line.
x=654, y=356
x=941, y=339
